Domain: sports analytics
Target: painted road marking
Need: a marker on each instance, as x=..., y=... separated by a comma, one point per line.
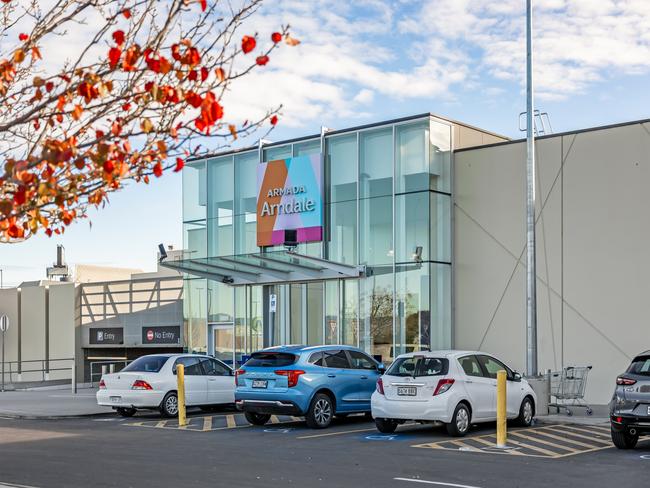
x=210, y=423
x=552, y=441
x=336, y=433
x=5, y=485
x=439, y=483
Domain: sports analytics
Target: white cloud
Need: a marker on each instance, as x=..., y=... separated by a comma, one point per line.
x=576, y=42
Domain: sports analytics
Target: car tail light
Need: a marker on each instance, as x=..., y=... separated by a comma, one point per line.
x=141, y=385
x=443, y=386
x=238, y=373
x=380, y=386
x=291, y=374
x=625, y=381
x=102, y=384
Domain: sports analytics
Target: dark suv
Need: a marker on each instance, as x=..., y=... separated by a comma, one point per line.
x=630, y=406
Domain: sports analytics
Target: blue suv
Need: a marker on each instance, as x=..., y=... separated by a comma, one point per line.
x=317, y=382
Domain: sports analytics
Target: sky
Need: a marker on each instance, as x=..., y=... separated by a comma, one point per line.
x=372, y=60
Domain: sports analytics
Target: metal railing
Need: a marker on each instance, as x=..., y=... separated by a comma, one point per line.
x=19, y=368
x=107, y=366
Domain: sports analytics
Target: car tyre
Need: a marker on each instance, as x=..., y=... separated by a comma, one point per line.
x=460, y=421
x=257, y=418
x=526, y=413
x=624, y=440
x=126, y=412
x=321, y=412
x=169, y=405
x=386, y=426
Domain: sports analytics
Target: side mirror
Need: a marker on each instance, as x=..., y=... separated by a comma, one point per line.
x=516, y=376
x=232, y=372
x=381, y=369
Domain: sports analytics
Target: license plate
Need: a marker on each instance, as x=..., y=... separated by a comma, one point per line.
x=116, y=399
x=407, y=391
x=260, y=383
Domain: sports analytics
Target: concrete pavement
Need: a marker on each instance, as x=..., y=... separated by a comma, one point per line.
x=49, y=403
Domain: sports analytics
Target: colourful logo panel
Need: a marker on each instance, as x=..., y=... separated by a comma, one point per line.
x=290, y=197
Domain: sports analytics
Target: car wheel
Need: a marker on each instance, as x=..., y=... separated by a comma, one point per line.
x=320, y=412
x=169, y=405
x=257, y=418
x=623, y=440
x=386, y=426
x=126, y=412
x=460, y=421
x=526, y=413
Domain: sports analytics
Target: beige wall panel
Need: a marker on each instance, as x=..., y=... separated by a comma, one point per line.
x=9, y=306
x=603, y=237
x=32, y=329
x=62, y=327
x=607, y=231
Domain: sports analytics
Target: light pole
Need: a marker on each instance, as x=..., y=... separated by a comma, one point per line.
x=531, y=274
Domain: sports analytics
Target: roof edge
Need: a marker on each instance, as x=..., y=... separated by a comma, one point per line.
x=559, y=134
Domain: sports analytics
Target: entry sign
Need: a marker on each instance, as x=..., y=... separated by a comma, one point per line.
x=273, y=302
x=4, y=323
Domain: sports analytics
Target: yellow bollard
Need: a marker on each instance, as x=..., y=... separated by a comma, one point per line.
x=501, y=408
x=180, y=376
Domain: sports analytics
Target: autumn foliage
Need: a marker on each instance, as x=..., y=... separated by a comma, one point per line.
x=139, y=96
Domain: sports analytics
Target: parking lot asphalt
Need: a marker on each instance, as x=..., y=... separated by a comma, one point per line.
x=220, y=449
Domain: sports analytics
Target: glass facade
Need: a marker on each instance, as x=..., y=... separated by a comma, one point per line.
x=387, y=207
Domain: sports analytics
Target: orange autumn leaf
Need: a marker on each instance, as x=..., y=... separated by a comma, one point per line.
x=221, y=74
x=291, y=41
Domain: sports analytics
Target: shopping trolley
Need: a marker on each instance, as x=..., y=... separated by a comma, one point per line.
x=568, y=388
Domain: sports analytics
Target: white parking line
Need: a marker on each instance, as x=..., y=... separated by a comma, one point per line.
x=15, y=486
x=439, y=483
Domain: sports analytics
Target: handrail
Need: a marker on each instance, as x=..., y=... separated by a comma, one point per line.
x=45, y=369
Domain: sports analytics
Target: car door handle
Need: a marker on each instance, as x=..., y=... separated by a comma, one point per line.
x=212, y=379
x=331, y=376
x=469, y=381
x=364, y=377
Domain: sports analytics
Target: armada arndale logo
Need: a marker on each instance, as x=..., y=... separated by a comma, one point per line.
x=290, y=197
x=295, y=205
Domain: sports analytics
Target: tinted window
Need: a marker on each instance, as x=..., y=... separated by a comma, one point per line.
x=271, y=359
x=470, y=366
x=214, y=368
x=361, y=361
x=419, y=366
x=492, y=366
x=640, y=365
x=336, y=359
x=192, y=366
x=317, y=359
x=147, y=364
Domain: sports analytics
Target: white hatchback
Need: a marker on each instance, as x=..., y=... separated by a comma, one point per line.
x=457, y=388
x=150, y=383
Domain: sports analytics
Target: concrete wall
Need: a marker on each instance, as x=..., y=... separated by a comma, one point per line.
x=9, y=306
x=61, y=324
x=593, y=235
x=41, y=328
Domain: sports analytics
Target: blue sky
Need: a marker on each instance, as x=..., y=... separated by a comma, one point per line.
x=372, y=60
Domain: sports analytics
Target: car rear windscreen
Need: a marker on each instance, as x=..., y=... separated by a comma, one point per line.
x=419, y=366
x=270, y=359
x=640, y=365
x=147, y=364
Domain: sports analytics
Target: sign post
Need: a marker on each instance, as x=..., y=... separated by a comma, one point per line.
x=4, y=326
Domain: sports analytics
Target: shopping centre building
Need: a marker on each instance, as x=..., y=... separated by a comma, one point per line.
x=410, y=234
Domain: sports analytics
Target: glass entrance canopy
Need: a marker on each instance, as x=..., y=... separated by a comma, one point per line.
x=264, y=268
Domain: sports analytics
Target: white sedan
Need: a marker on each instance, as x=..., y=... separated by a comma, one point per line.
x=150, y=383
x=457, y=388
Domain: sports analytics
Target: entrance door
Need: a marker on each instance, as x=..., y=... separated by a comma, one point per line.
x=221, y=341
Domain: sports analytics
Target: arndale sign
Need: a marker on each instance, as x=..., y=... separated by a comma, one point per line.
x=290, y=197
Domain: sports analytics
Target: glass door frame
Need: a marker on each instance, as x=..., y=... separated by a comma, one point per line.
x=213, y=327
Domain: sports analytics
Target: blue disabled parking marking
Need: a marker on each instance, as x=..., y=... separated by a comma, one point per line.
x=381, y=437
